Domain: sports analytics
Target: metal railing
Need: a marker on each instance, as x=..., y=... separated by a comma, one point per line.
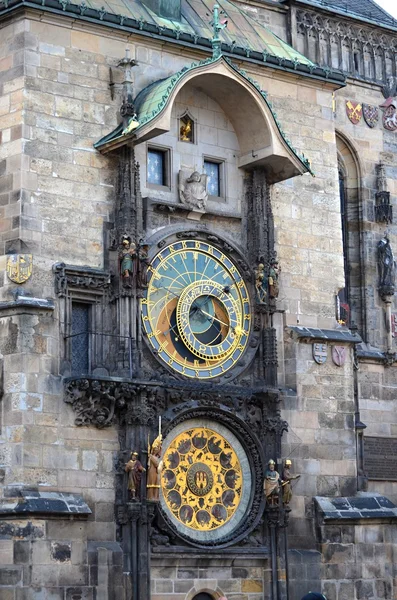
x=92, y=353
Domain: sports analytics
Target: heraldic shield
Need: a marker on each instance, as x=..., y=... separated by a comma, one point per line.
x=320, y=353
x=371, y=115
x=354, y=111
x=19, y=267
x=338, y=354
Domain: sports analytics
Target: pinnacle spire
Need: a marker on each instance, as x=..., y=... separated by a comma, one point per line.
x=218, y=23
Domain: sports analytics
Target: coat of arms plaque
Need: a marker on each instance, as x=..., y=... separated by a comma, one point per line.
x=19, y=267
x=354, y=111
x=320, y=353
x=371, y=115
x=338, y=355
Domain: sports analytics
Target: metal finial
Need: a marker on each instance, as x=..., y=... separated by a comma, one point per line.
x=217, y=24
x=127, y=108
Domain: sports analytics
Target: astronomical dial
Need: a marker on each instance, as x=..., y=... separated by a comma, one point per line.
x=196, y=311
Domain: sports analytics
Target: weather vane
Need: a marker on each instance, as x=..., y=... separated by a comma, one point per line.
x=218, y=23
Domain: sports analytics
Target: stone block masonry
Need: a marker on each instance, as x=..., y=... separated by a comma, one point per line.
x=181, y=577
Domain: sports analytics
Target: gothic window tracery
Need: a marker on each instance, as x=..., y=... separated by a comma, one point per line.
x=358, y=51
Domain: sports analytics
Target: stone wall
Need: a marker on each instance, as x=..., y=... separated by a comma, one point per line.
x=180, y=578
x=358, y=561
x=367, y=147
x=321, y=437
x=57, y=195
x=51, y=560
x=14, y=41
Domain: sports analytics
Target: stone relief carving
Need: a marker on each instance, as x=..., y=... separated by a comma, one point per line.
x=193, y=189
x=80, y=277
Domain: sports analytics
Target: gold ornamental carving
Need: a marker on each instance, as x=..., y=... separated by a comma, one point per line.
x=19, y=267
x=201, y=479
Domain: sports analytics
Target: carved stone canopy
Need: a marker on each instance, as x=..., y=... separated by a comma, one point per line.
x=261, y=139
x=71, y=276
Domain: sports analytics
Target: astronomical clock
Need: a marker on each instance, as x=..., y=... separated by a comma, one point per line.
x=196, y=312
x=198, y=324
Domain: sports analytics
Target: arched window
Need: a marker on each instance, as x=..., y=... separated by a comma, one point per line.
x=343, y=308
x=203, y=596
x=351, y=299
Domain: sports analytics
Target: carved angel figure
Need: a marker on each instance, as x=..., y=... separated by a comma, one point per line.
x=193, y=189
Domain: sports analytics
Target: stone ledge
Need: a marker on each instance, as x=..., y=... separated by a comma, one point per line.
x=328, y=335
x=357, y=508
x=28, y=302
x=44, y=503
x=169, y=206
x=261, y=552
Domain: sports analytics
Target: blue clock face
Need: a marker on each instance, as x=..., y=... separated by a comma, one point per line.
x=196, y=310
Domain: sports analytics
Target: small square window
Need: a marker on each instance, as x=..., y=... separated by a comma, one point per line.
x=214, y=171
x=157, y=166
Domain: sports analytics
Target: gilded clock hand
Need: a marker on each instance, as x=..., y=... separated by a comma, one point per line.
x=170, y=329
x=212, y=317
x=166, y=289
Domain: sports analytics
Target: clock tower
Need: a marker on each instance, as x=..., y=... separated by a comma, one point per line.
x=194, y=317
x=195, y=288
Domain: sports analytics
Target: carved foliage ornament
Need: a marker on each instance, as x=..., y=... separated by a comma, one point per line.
x=97, y=402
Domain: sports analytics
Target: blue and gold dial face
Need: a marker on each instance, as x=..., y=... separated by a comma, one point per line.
x=196, y=311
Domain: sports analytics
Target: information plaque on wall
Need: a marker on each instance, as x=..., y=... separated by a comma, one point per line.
x=380, y=458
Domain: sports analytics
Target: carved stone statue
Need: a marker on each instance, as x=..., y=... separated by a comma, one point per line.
x=274, y=273
x=134, y=469
x=143, y=263
x=127, y=257
x=271, y=484
x=260, y=284
x=387, y=267
x=193, y=189
x=286, y=481
x=154, y=470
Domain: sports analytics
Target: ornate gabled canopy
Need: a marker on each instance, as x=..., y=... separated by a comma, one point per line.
x=262, y=141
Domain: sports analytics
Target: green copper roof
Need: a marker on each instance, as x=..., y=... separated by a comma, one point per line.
x=242, y=31
x=243, y=38
x=153, y=99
